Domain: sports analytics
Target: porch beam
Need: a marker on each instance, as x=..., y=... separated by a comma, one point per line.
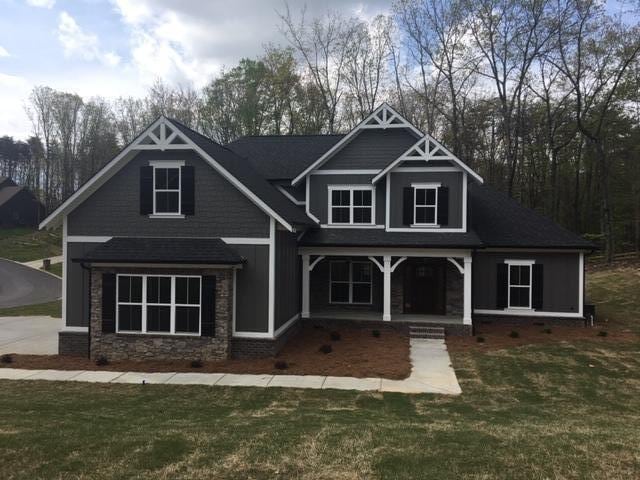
x=386, y=312
x=305, y=286
x=466, y=318
x=380, y=251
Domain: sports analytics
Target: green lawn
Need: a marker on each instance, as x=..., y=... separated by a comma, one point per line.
x=56, y=269
x=23, y=245
x=53, y=309
x=567, y=410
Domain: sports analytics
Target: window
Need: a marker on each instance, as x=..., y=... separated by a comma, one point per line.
x=352, y=205
x=350, y=282
x=166, y=190
x=519, y=293
x=166, y=304
x=425, y=204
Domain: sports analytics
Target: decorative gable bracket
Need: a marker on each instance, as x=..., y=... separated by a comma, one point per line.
x=385, y=117
x=161, y=137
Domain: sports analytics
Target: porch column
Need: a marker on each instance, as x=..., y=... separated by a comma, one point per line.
x=386, y=312
x=466, y=318
x=305, y=286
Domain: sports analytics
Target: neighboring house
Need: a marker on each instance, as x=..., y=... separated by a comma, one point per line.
x=18, y=206
x=183, y=248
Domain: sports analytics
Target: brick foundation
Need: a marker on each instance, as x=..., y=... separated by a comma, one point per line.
x=397, y=325
x=119, y=346
x=262, y=347
x=524, y=320
x=74, y=344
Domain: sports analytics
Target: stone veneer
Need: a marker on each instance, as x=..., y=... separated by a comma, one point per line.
x=121, y=346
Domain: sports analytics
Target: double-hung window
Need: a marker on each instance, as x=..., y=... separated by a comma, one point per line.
x=351, y=205
x=350, y=282
x=425, y=204
x=164, y=304
x=166, y=188
x=519, y=282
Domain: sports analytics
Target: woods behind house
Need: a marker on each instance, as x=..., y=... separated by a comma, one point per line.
x=541, y=97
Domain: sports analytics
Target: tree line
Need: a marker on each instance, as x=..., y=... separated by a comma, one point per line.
x=541, y=97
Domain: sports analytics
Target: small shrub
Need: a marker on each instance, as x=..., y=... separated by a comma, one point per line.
x=281, y=365
x=376, y=333
x=326, y=349
x=480, y=339
x=514, y=334
x=335, y=336
x=538, y=324
x=101, y=361
x=6, y=358
x=602, y=333
x=547, y=330
x=196, y=364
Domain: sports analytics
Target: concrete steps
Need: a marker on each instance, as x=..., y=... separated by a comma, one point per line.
x=420, y=331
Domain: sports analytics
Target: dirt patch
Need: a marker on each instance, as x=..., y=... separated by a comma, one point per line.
x=498, y=337
x=357, y=354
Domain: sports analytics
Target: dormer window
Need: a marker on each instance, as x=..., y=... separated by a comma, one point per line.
x=425, y=204
x=351, y=205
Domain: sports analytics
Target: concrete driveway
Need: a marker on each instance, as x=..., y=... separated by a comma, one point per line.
x=21, y=285
x=29, y=335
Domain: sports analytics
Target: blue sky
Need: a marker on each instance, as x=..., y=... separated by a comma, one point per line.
x=117, y=48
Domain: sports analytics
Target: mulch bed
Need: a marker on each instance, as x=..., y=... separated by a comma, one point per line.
x=498, y=337
x=357, y=354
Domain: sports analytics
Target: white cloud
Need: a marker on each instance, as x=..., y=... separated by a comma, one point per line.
x=42, y=3
x=3, y=52
x=78, y=43
x=13, y=92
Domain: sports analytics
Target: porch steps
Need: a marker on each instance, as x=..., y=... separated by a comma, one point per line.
x=420, y=331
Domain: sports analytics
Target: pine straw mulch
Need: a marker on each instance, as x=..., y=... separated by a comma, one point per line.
x=357, y=354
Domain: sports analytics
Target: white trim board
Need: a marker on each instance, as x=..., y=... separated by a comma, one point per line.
x=526, y=313
x=289, y=196
x=117, y=163
x=383, y=117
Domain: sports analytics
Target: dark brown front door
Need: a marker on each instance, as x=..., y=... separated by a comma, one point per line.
x=424, y=287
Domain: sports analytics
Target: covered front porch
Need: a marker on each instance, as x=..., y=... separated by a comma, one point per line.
x=408, y=285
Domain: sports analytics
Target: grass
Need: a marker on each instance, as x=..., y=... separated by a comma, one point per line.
x=52, y=309
x=23, y=245
x=565, y=410
x=56, y=269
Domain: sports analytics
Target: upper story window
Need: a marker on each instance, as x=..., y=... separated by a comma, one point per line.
x=520, y=280
x=351, y=205
x=166, y=190
x=425, y=204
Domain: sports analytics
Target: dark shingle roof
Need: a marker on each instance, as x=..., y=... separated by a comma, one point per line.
x=364, y=237
x=501, y=221
x=201, y=251
x=278, y=157
x=7, y=193
x=242, y=170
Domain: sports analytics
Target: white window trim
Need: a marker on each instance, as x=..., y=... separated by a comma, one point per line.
x=167, y=164
x=425, y=186
x=351, y=189
x=519, y=263
x=144, y=304
x=350, y=282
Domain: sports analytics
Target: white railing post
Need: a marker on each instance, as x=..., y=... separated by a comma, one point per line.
x=386, y=313
x=466, y=319
x=305, y=286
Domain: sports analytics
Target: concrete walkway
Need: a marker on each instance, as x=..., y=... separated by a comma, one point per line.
x=431, y=373
x=37, y=264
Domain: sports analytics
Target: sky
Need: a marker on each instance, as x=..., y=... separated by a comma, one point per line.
x=115, y=48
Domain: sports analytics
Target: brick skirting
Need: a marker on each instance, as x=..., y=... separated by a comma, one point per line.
x=262, y=347
x=455, y=329
x=75, y=344
x=526, y=320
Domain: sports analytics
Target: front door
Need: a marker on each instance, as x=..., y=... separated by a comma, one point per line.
x=424, y=286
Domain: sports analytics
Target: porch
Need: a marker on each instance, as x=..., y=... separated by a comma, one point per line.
x=398, y=318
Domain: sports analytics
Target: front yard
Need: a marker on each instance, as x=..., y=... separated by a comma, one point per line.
x=543, y=409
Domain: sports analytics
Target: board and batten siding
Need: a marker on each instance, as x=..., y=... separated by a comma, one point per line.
x=288, y=297
x=77, y=280
x=561, y=279
x=221, y=210
x=372, y=149
x=252, y=289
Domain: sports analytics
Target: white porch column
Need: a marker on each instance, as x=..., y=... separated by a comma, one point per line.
x=386, y=312
x=466, y=318
x=305, y=286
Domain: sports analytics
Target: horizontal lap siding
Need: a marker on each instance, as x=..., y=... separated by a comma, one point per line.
x=221, y=210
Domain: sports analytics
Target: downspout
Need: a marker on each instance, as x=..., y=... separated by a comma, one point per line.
x=88, y=269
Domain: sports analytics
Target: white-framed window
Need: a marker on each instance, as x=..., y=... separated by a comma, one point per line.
x=351, y=205
x=350, y=282
x=167, y=185
x=425, y=204
x=520, y=279
x=158, y=304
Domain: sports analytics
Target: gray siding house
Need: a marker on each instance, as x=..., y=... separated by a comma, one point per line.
x=181, y=248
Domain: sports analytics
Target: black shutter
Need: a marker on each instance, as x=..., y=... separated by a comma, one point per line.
x=407, y=205
x=108, y=302
x=188, y=191
x=146, y=190
x=208, y=306
x=443, y=206
x=502, y=286
x=537, y=278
